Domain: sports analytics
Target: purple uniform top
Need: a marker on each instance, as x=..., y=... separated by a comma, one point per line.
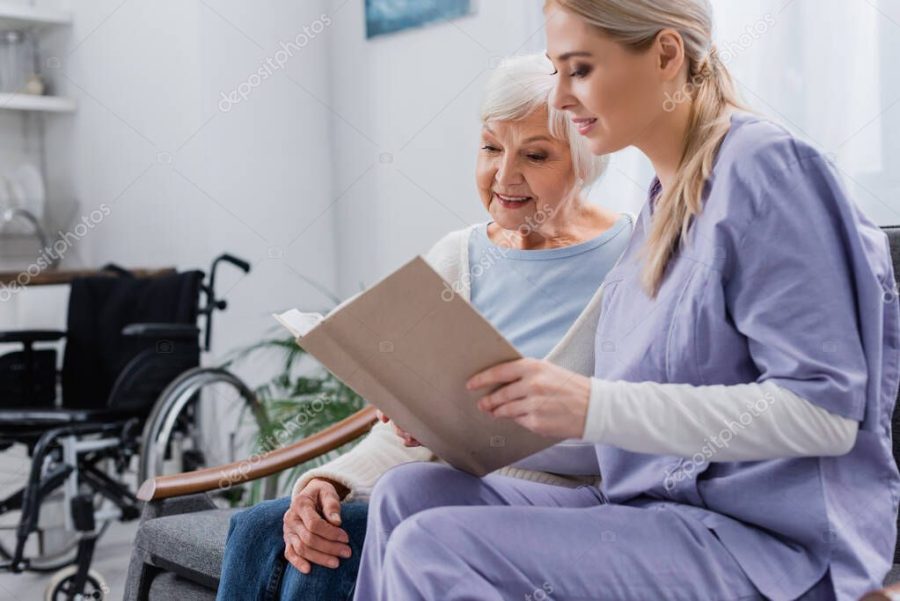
x=782, y=279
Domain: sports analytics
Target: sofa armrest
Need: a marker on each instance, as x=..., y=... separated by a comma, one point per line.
x=253, y=468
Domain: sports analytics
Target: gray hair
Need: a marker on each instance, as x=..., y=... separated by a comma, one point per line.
x=521, y=85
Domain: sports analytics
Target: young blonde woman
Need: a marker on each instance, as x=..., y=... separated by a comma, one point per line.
x=746, y=366
x=533, y=270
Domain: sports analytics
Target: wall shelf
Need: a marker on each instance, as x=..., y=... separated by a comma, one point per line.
x=30, y=102
x=23, y=17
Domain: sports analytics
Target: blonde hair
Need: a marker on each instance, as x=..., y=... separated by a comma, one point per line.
x=636, y=24
x=521, y=85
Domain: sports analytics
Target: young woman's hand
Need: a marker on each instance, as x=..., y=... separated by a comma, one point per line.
x=537, y=394
x=311, y=527
x=408, y=439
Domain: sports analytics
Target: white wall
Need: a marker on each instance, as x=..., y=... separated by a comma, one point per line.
x=826, y=70
x=359, y=153
x=186, y=180
x=337, y=168
x=415, y=95
x=406, y=138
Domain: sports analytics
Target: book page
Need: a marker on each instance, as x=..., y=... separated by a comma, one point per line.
x=298, y=323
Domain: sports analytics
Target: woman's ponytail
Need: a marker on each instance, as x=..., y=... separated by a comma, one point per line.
x=711, y=93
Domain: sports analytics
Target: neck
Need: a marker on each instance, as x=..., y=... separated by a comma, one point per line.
x=664, y=143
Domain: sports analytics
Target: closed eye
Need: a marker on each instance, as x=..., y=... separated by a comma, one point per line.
x=580, y=71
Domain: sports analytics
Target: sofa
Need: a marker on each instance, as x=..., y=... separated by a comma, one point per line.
x=179, y=545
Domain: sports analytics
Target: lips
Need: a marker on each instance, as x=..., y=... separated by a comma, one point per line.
x=584, y=125
x=511, y=202
x=510, y=198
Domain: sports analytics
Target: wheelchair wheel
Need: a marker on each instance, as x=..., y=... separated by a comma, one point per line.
x=205, y=417
x=64, y=580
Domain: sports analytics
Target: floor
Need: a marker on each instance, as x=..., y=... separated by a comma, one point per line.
x=110, y=558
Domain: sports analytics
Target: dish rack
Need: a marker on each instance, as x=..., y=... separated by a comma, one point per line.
x=25, y=214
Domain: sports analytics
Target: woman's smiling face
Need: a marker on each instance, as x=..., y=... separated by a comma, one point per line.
x=613, y=94
x=524, y=174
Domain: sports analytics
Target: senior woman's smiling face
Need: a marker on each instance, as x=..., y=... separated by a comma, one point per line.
x=524, y=174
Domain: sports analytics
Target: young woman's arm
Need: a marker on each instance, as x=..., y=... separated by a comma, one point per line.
x=746, y=422
x=797, y=283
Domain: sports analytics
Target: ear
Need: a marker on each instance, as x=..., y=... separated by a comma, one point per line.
x=669, y=47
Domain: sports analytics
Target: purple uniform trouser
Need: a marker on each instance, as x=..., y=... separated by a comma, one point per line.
x=438, y=533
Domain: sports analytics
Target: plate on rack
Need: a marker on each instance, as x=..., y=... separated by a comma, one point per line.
x=30, y=189
x=22, y=189
x=5, y=197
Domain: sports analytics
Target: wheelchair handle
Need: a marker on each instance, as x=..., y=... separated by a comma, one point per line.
x=213, y=303
x=239, y=263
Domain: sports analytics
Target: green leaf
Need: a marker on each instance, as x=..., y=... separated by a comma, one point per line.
x=297, y=403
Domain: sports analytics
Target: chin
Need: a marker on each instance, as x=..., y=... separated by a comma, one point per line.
x=603, y=144
x=507, y=221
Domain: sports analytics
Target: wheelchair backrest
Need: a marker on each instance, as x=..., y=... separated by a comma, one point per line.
x=97, y=354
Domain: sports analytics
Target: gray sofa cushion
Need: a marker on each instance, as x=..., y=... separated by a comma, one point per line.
x=190, y=545
x=171, y=587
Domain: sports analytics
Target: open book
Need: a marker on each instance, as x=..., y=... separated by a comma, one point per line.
x=408, y=345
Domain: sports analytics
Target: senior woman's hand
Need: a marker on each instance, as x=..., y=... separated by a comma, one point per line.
x=308, y=536
x=543, y=397
x=408, y=440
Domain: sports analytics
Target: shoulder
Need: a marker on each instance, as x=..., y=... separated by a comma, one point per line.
x=759, y=156
x=618, y=235
x=763, y=172
x=449, y=245
x=777, y=203
x=447, y=255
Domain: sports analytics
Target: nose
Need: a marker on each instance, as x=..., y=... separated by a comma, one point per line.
x=508, y=173
x=561, y=96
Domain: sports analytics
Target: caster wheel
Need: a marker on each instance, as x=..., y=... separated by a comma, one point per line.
x=62, y=582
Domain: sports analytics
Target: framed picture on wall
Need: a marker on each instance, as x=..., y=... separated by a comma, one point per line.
x=388, y=16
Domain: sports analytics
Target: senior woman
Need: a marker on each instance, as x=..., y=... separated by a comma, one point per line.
x=533, y=271
x=747, y=357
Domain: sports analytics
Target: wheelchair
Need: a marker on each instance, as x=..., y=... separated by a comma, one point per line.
x=128, y=393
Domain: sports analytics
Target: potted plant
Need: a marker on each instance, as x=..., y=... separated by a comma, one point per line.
x=301, y=398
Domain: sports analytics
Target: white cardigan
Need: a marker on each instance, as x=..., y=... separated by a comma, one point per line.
x=634, y=416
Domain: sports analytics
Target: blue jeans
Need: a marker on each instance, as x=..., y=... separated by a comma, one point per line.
x=254, y=567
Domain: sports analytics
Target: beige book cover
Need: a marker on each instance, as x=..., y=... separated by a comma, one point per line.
x=408, y=345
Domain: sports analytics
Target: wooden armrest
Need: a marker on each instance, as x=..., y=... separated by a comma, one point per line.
x=888, y=593
x=259, y=466
x=50, y=277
